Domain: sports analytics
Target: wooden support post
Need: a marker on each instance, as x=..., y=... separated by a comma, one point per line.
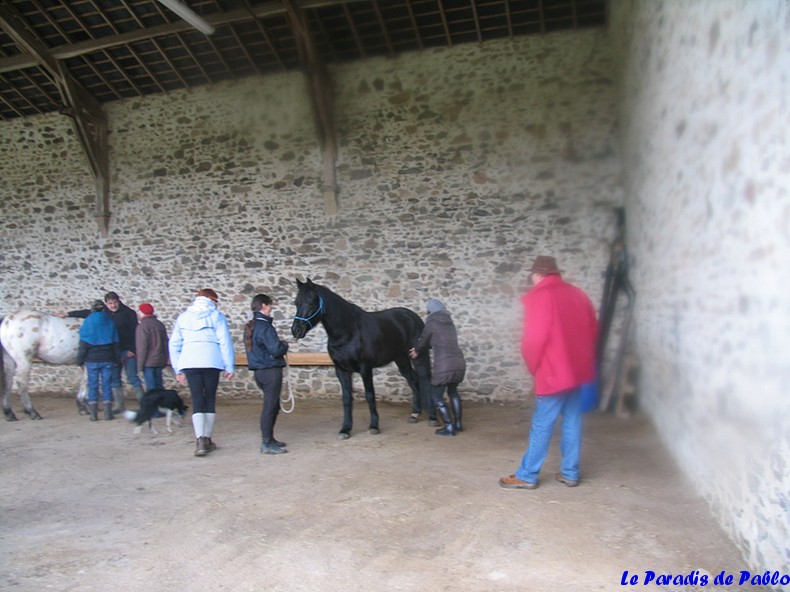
x=318, y=82
x=90, y=124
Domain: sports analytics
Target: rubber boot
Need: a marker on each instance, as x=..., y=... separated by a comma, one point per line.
x=108, y=410
x=118, y=398
x=94, y=410
x=456, y=403
x=448, y=429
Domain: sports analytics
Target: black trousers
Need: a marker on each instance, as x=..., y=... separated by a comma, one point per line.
x=203, y=383
x=270, y=381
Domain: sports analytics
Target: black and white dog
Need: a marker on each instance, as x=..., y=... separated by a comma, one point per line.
x=165, y=400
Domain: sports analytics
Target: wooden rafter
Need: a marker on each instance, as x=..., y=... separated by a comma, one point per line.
x=88, y=118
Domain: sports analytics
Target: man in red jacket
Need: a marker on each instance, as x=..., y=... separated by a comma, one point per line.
x=558, y=346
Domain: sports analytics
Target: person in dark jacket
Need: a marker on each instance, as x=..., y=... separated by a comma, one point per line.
x=151, y=342
x=125, y=320
x=449, y=365
x=99, y=351
x=265, y=351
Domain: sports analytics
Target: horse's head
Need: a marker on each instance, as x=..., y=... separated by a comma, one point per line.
x=309, y=308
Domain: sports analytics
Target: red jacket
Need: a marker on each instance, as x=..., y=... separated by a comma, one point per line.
x=560, y=331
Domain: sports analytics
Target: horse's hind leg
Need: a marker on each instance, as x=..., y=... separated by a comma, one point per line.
x=23, y=372
x=82, y=393
x=419, y=379
x=348, y=402
x=370, y=397
x=7, y=383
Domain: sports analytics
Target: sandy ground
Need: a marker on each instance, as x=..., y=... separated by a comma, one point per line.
x=92, y=506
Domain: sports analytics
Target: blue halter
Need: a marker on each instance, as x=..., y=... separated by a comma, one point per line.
x=315, y=314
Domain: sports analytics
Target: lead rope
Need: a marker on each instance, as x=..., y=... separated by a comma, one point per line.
x=289, y=399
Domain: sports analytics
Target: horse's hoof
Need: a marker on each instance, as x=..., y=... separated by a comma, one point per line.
x=33, y=414
x=373, y=431
x=9, y=416
x=343, y=436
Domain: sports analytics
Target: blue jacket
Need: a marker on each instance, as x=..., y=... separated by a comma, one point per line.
x=201, y=339
x=99, y=341
x=267, y=349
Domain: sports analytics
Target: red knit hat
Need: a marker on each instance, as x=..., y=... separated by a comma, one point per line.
x=146, y=309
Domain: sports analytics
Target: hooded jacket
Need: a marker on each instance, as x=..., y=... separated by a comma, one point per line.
x=559, y=337
x=201, y=339
x=449, y=366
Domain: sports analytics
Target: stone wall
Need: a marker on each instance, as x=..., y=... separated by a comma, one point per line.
x=705, y=113
x=456, y=167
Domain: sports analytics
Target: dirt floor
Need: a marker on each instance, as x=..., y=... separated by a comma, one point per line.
x=92, y=506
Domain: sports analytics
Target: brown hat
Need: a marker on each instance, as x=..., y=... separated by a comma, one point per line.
x=545, y=265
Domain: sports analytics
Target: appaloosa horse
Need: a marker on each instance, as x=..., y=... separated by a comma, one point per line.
x=360, y=341
x=28, y=334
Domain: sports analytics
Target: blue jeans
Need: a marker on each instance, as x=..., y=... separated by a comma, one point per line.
x=547, y=409
x=153, y=378
x=130, y=365
x=99, y=371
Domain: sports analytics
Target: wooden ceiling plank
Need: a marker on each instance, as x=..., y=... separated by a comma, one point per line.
x=476, y=21
x=443, y=16
x=414, y=24
x=354, y=31
x=383, y=25
x=266, y=36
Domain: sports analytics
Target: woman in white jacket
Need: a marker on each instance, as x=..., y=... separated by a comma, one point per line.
x=200, y=348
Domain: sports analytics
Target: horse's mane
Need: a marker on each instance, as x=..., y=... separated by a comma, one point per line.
x=333, y=298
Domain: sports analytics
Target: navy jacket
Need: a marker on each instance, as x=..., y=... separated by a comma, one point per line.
x=267, y=349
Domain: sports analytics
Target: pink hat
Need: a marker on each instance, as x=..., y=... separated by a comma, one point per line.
x=147, y=309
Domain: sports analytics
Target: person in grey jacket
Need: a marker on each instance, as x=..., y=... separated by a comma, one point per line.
x=449, y=365
x=265, y=351
x=151, y=340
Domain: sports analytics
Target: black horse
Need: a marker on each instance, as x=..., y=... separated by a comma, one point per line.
x=360, y=341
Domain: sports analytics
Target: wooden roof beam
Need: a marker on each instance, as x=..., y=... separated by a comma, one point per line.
x=88, y=118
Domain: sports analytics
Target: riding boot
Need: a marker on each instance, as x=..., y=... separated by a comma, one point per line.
x=209, y=431
x=118, y=398
x=444, y=413
x=456, y=404
x=200, y=446
x=94, y=410
x=108, y=410
x=139, y=393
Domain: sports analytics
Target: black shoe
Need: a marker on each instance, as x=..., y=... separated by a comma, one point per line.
x=445, y=431
x=280, y=444
x=272, y=448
